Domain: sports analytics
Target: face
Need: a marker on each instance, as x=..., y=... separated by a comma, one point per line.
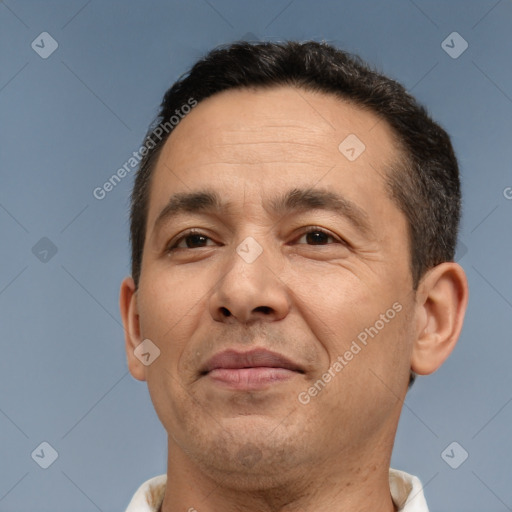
x=297, y=265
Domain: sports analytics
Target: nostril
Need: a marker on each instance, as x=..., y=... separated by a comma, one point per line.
x=264, y=309
x=225, y=311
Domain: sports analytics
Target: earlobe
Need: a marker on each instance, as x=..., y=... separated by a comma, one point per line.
x=441, y=304
x=131, y=323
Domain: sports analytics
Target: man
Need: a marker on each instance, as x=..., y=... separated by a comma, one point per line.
x=293, y=225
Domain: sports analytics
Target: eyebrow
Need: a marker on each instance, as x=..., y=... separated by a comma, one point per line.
x=296, y=200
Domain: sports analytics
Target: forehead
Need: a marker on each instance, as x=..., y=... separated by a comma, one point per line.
x=268, y=139
x=230, y=122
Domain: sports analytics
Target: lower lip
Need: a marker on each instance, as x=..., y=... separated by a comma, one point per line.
x=250, y=378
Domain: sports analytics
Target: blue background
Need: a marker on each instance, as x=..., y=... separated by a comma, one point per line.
x=70, y=121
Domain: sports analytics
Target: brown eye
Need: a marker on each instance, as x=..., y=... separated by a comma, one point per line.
x=189, y=240
x=316, y=236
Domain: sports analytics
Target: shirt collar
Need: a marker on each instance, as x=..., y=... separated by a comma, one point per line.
x=406, y=491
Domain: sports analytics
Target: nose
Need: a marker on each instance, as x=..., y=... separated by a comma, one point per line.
x=249, y=291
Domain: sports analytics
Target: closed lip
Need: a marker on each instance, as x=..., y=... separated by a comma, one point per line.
x=256, y=358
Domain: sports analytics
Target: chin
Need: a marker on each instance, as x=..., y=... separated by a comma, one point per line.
x=250, y=451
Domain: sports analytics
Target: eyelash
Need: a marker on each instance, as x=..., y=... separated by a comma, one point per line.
x=190, y=232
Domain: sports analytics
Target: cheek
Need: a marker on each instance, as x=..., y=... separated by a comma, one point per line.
x=168, y=300
x=171, y=307
x=350, y=320
x=376, y=359
x=334, y=301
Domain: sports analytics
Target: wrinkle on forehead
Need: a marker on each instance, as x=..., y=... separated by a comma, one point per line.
x=242, y=126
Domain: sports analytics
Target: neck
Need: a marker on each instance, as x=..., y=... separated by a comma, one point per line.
x=349, y=483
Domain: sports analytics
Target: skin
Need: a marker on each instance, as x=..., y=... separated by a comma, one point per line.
x=263, y=450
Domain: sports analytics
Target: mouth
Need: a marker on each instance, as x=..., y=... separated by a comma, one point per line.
x=251, y=370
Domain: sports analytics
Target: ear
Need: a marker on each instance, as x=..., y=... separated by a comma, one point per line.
x=130, y=316
x=442, y=299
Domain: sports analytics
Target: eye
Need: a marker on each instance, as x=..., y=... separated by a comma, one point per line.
x=318, y=236
x=194, y=239
x=189, y=240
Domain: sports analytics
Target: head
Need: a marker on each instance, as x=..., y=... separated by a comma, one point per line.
x=273, y=139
